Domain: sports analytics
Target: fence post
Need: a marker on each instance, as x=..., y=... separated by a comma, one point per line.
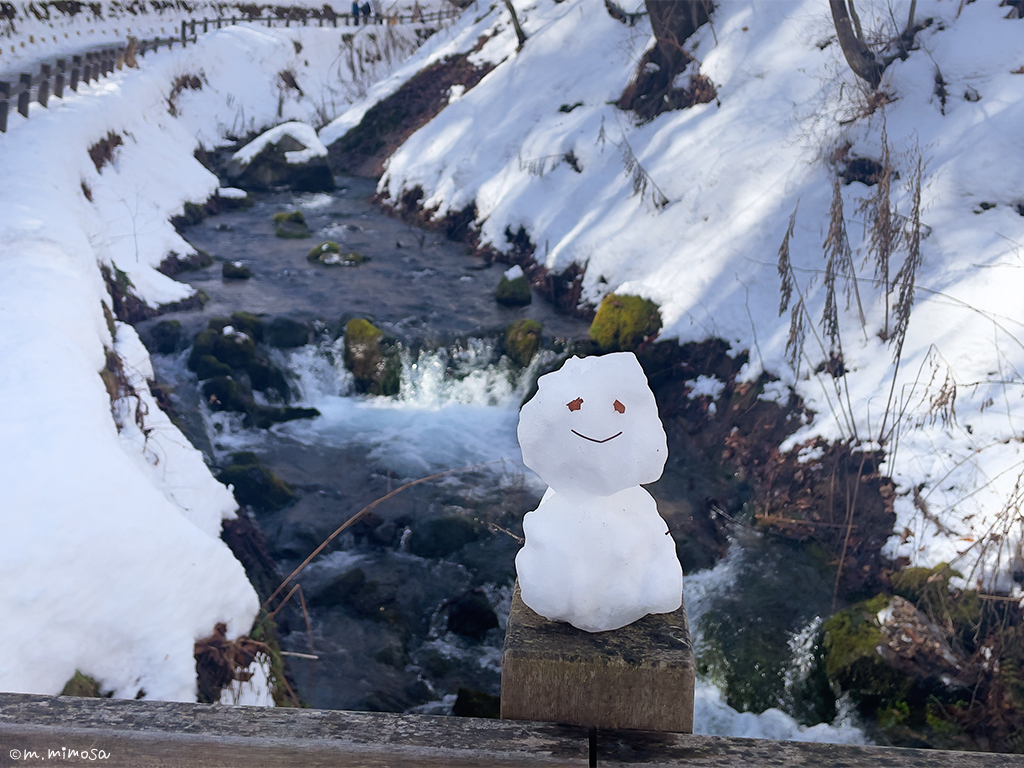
x=43, y=94
x=5, y=92
x=184, y=33
x=206, y=25
x=23, y=97
x=76, y=71
x=218, y=22
x=335, y=20
x=58, y=81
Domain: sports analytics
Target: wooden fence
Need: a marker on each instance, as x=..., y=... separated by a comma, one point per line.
x=41, y=730
x=69, y=72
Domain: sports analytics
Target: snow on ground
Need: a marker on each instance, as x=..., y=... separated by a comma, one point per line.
x=110, y=554
x=733, y=171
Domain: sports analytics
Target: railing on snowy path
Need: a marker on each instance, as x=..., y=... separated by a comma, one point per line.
x=143, y=734
x=56, y=75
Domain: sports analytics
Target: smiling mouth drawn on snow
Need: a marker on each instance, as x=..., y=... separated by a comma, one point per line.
x=575, y=405
x=593, y=427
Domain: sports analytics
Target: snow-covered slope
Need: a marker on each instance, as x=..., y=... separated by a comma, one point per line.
x=110, y=553
x=732, y=173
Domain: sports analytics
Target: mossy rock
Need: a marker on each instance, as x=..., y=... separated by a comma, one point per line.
x=235, y=270
x=622, y=323
x=330, y=254
x=223, y=394
x=292, y=231
x=853, y=663
x=208, y=367
x=264, y=377
x=522, y=340
x=442, y=536
x=363, y=597
x=82, y=685
x=290, y=217
x=513, y=293
x=285, y=333
x=257, y=487
x=249, y=324
x=237, y=350
x=164, y=337
x=372, y=358
x=266, y=416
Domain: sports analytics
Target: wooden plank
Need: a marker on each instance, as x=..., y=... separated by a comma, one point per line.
x=141, y=734
x=640, y=676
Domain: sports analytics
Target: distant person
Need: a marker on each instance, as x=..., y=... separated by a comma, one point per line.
x=366, y=13
x=417, y=12
x=355, y=12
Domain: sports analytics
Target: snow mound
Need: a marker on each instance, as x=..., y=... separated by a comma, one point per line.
x=299, y=132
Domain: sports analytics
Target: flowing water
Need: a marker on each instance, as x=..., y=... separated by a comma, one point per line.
x=409, y=605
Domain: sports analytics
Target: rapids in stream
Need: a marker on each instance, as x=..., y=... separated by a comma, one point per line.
x=409, y=606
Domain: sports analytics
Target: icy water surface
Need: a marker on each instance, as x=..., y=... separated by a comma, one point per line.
x=410, y=605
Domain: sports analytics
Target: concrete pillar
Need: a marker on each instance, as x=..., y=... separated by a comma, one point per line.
x=639, y=677
x=23, y=98
x=43, y=94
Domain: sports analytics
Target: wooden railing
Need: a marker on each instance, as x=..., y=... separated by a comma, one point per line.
x=69, y=72
x=52, y=730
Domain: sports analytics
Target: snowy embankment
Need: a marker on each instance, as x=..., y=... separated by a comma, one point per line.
x=110, y=555
x=691, y=208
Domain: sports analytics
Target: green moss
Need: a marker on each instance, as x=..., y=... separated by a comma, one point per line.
x=373, y=359
x=82, y=685
x=248, y=323
x=266, y=416
x=622, y=323
x=208, y=366
x=852, y=637
x=513, y=293
x=290, y=217
x=522, y=339
x=164, y=336
x=222, y=393
x=265, y=631
x=257, y=487
x=265, y=377
x=330, y=254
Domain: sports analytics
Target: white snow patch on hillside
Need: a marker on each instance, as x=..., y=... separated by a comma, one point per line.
x=110, y=556
x=733, y=171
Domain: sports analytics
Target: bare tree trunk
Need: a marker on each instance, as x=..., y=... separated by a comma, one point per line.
x=861, y=60
x=515, y=23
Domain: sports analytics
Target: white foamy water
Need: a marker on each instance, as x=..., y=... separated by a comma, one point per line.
x=712, y=716
x=455, y=409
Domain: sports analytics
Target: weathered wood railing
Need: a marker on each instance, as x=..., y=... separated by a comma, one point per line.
x=56, y=75
x=39, y=730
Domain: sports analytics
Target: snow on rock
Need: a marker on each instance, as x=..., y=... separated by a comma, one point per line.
x=110, y=556
x=690, y=210
x=299, y=132
x=232, y=193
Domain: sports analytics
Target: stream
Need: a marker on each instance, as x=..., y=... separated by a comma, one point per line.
x=409, y=606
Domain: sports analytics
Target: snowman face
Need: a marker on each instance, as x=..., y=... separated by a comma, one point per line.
x=593, y=427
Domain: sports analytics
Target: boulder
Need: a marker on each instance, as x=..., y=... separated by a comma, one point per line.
x=372, y=358
x=471, y=615
x=235, y=270
x=289, y=155
x=442, y=536
x=164, y=337
x=285, y=333
x=291, y=225
x=522, y=339
x=255, y=485
x=514, y=289
x=330, y=254
x=622, y=323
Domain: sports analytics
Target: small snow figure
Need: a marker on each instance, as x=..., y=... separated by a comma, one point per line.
x=597, y=553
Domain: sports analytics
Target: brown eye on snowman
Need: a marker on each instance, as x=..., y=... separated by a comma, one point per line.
x=575, y=405
x=619, y=407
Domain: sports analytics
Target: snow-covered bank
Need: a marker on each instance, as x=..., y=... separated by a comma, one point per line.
x=789, y=116
x=110, y=552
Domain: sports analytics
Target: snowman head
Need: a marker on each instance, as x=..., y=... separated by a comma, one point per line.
x=593, y=427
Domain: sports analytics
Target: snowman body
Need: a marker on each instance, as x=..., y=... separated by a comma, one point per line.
x=597, y=553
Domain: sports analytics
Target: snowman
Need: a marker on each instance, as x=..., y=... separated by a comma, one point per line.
x=597, y=553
